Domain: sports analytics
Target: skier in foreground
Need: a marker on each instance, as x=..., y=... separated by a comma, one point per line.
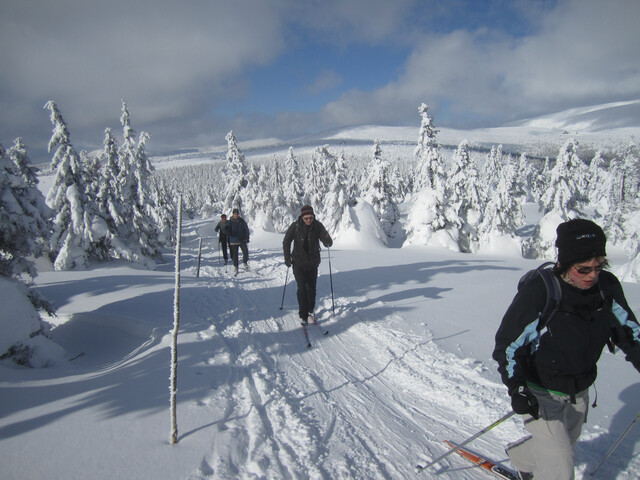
x=238, y=238
x=223, y=228
x=306, y=233
x=548, y=369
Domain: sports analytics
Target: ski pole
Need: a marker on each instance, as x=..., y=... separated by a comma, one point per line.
x=285, y=288
x=420, y=468
x=333, y=308
x=615, y=444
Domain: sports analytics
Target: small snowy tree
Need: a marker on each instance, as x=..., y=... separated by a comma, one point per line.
x=67, y=198
x=503, y=214
x=235, y=175
x=291, y=187
x=379, y=192
x=426, y=221
x=24, y=217
x=463, y=198
x=565, y=193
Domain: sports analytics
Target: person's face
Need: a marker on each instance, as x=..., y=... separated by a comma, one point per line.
x=585, y=274
x=236, y=215
x=308, y=219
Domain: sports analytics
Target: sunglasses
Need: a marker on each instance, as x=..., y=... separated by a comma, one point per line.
x=588, y=270
x=308, y=217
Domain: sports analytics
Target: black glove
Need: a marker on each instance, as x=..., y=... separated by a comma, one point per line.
x=287, y=261
x=524, y=402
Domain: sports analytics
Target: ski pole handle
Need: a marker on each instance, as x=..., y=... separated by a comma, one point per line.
x=420, y=468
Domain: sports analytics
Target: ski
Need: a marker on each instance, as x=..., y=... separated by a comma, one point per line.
x=482, y=462
x=317, y=324
x=306, y=335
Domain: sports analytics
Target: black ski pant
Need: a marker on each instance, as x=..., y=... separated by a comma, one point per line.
x=306, y=279
x=223, y=247
x=234, y=253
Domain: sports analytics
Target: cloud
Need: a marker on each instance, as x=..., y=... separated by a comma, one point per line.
x=326, y=80
x=582, y=52
x=174, y=63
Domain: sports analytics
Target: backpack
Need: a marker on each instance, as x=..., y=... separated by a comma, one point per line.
x=554, y=294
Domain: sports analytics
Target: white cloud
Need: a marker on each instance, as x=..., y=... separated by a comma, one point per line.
x=584, y=52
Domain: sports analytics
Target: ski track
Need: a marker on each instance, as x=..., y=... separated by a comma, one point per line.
x=342, y=409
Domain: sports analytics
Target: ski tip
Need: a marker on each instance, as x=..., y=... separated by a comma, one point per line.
x=326, y=333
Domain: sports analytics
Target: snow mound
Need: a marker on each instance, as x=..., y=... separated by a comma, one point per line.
x=101, y=339
x=363, y=230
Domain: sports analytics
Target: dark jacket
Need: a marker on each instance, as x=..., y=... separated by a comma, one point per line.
x=223, y=228
x=562, y=356
x=238, y=231
x=306, y=243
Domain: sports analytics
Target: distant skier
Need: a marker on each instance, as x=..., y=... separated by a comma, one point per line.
x=223, y=235
x=548, y=369
x=238, y=238
x=306, y=233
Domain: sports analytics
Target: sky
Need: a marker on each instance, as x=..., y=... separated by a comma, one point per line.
x=192, y=71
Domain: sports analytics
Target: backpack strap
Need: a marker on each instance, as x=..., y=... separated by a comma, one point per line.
x=554, y=294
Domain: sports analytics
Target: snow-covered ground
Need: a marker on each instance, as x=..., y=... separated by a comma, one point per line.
x=406, y=364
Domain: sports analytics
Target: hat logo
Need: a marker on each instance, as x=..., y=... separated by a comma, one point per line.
x=585, y=235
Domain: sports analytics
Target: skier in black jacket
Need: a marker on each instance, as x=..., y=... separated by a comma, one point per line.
x=223, y=232
x=238, y=236
x=548, y=369
x=306, y=233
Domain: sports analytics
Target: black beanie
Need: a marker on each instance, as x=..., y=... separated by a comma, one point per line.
x=306, y=210
x=579, y=240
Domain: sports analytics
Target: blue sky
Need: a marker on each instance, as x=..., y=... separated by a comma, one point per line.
x=191, y=71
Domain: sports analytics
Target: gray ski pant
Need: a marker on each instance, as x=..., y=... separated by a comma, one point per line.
x=548, y=451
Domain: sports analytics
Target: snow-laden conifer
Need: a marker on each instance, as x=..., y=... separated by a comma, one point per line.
x=491, y=172
x=429, y=165
x=235, y=173
x=144, y=237
x=321, y=169
x=426, y=221
x=334, y=210
x=24, y=216
x=502, y=214
x=380, y=192
x=292, y=187
x=598, y=184
x=463, y=201
x=67, y=198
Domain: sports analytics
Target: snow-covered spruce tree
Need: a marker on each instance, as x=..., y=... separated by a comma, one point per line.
x=429, y=165
x=631, y=180
x=25, y=219
x=502, y=214
x=277, y=209
x=464, y=205
x=292, y=187
x=491, y=172
x=426, y=221
x=321, y=169
x=235, y=174
x=614, y=217
x=334, y=212
x=599, y=184
x=143, y=239
x=67, y=198
x=255, y=196
x=111, y=188
x=563, y=199
x=565, y=193
x=379, y=192
x=526, y=176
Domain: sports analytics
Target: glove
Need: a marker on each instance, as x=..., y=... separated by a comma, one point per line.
x=287, y=261
x=524, y=402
